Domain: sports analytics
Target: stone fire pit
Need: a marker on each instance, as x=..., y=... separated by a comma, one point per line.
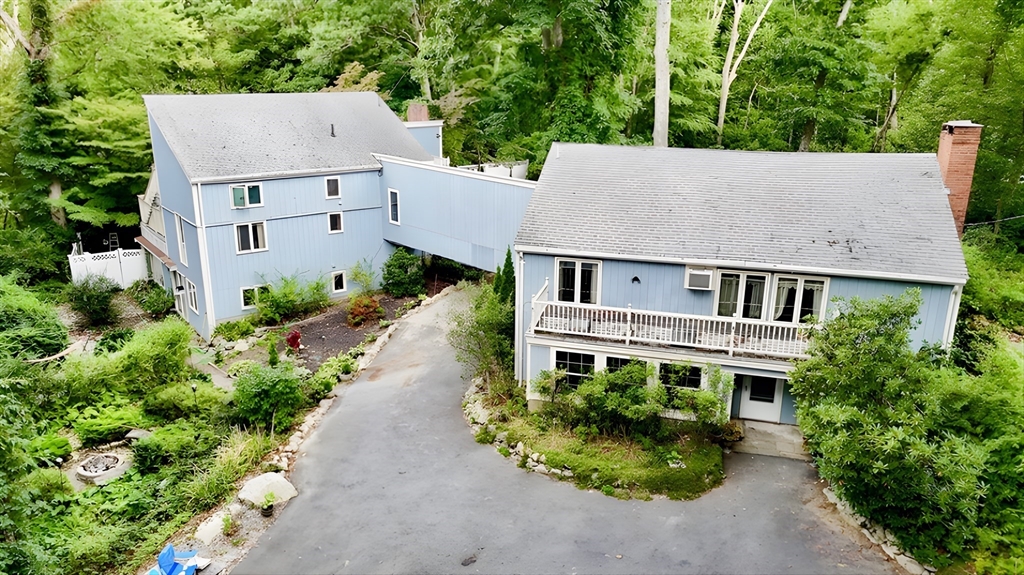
x=102, y=468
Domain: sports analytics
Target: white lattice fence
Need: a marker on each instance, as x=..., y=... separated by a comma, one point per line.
x=122, y=266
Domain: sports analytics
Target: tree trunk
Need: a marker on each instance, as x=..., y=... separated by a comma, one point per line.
x=57, y=213
x=661, y=73
x=811, y=125
x=425, y=80
x=727, y=67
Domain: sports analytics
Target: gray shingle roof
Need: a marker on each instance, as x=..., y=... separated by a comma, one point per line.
x=229, y=135
x=869, y=213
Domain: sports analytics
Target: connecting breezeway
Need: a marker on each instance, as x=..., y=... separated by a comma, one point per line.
x=393, y=482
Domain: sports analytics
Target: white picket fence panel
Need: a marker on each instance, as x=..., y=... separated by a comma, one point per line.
x=123, y=267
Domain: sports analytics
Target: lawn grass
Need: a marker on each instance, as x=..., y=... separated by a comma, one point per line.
x=624, y=467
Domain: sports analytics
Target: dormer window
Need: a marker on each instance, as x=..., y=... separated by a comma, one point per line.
x=246, y=195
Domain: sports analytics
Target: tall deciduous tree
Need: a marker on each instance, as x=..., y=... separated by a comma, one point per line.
x=733, y=60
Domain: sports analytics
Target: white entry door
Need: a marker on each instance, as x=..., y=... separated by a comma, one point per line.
x=761, y=398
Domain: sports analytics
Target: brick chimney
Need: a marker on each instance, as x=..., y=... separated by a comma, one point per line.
x=419, y=113
x=958, y=150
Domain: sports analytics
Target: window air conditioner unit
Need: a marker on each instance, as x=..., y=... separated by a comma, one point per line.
x=699, y=278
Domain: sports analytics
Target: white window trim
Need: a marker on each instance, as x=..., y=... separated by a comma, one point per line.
x=398, y=201
x=799, y=288
x=191, y=293
x=179, y=230
x=579, y=277
x=341, y=217
x=768, y=286
x=231, y=196
x=344, y=281
x=327, y=193
x=266, y=238
x=241, y=294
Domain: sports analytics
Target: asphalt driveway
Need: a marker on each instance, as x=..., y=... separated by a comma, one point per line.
x=393, y=482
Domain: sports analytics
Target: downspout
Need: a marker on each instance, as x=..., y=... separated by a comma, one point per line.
x=520, y=342
x=951, y=316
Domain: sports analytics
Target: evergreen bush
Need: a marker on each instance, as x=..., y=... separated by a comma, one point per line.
x=177, y=400
x=93, y=298
x=178, y=442
x=234, y=330
x=403, y=274
x=290, y=297
x=95, y=426
x=267, y=396
x=114, y=339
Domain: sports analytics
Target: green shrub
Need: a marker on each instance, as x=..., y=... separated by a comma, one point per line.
x=289, y=297
x=95, y=426
x=267, y=397
x=178, y=442
x=151, y=297
x=93, y=298
x=48, y=484
x=237, y=454
x=115, y=339
x=154, y=356
x=364, y=277
x=363, y=308
x=450, y=270
x=272, y=355
x=328, y=375
x=28, y=327
x=483, y=336
x=177, y=400
x=45, y=449
x=234, y=330
x=995, y=288
x=403, y=274
x=35, y=252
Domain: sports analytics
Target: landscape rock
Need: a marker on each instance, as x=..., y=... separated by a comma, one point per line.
x=567, y=473
x=531, y=463
x=255, y=491
x=910, y=564
x=501, y=437
x=870, y=536
x=137, y=434
x=541, y=468
x=930, y=568
x=241, y=346
x=235, y=509
x=209, y=530
x=890, y=550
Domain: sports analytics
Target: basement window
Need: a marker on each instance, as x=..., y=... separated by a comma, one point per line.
x=338, y=282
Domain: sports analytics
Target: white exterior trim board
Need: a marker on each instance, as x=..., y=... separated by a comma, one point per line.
x=455, y=171
x=283, y=175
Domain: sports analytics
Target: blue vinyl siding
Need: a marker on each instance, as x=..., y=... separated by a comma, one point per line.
x=292, y=197
x=788, y=406
x=467, y=219
x=429, y=137
x=193, y=271
x=175, y=189
x=540, y=360
x=660, y=288
x=933, y=310
x=298, y=245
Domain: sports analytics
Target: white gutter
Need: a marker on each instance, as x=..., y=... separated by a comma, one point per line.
x=745, y=265
x=283, y=175
x=456, y=171
x=951, y=315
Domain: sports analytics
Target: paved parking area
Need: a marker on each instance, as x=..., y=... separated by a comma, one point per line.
x=393, y=482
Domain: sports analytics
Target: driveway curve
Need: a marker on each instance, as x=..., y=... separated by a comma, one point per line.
x=393, y=482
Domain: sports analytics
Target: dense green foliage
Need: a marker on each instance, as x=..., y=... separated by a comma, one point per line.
x=234, y=330
x=290, y=297
x=268, y=396
x=28, y=327
x=151, y=297
x=995, y=289
x=505, y=280
x=93, y=297
x=402, y=275
x=115, y=339
x=508, y=79
x=928, y=451
x=483, y=337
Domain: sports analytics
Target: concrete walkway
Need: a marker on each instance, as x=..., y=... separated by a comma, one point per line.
x=760, y=438
x=392, y=482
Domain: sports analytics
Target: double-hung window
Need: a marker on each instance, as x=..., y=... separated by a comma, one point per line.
x=577, y=366
x=246, y=195
x=797, y=299
x=251, y=237
x=393, y=210
x=742, y=295
x=192, y=295
x=578, y=281
x=676, y=377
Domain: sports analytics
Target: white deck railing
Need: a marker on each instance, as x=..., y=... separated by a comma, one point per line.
x=735, y=336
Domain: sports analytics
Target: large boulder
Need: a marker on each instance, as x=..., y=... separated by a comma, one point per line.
x=255, y=491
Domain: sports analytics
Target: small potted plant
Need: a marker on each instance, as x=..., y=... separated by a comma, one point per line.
x=268, y=505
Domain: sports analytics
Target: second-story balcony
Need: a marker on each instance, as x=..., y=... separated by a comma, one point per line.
x=631, y=326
